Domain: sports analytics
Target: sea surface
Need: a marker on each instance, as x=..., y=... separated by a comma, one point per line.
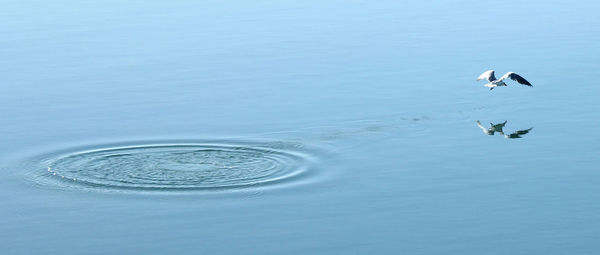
x=298, y=127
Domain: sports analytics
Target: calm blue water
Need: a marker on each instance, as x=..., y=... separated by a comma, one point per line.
x=298, y=127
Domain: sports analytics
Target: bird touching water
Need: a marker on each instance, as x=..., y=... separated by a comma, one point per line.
x=493, y=82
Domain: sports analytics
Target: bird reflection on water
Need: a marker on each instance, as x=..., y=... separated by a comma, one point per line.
x=499, y=128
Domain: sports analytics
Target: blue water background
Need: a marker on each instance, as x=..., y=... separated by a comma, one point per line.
x=385, y=91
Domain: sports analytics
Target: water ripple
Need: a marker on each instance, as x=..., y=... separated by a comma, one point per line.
x=174, y=166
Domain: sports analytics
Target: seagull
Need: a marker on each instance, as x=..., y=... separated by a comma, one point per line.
x=489, y=75
x=499, y=128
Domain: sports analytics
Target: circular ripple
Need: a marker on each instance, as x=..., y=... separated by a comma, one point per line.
x=174, y=167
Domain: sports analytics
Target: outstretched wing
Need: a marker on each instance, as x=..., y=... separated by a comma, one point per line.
x=488, y=75
x=517, y=78
x=518, y=133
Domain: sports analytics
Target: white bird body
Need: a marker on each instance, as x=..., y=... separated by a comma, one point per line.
x=493, y=82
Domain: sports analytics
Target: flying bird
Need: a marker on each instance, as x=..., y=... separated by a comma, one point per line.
x=493, y=82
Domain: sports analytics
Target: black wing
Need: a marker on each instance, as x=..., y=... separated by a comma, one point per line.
x=517, y=78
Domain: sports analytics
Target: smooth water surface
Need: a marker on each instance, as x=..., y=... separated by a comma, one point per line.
x=298, y=127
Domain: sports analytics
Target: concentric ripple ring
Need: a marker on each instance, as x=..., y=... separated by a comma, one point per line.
x=164, y=167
